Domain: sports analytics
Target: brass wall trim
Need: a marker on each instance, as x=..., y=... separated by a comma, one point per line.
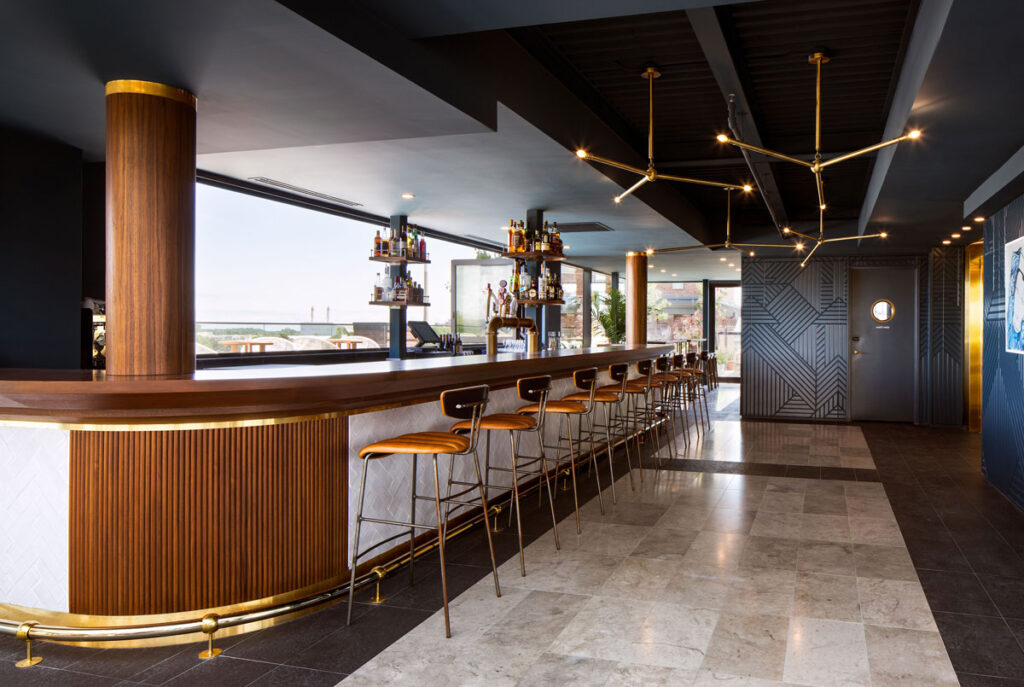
x=169, y=426
x=151, y=88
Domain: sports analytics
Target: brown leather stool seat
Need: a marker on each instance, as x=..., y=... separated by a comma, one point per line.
x=499, y=421
x=555, y=407
x=600, y=395
x=420, y=442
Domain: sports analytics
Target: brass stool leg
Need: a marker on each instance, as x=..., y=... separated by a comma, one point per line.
x=495, y=521
x=611, y=452
x=547, y=482
x=633, y=415
x=572, y=469
x=441, y=528
x=412, y=519
x=593, y=456
x=487, y=525
x=355, y=542
x=515, y=499
x=619, y=419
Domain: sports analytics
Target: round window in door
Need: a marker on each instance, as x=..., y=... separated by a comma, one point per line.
x=882, y=310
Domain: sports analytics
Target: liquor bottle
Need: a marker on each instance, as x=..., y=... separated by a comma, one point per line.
x=556, y=239
x=520, y=238
x=385, y=248
x=511, y=236
x=423, y=249
x=542, y=286
x=545, y=238
x=376, y=245
x=515, y=282
x=559, y=293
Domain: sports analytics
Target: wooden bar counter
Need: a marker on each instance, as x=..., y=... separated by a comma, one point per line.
x=129, y=497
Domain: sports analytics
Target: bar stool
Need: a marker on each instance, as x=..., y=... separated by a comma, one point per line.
x=697, y=392
x=611, y=398
x=709, y=361
x=464, y=404
x=565, y=410
x=533, y=390
x=683, y=382
x=589, y=395
x=644, y=389
x=672, y=394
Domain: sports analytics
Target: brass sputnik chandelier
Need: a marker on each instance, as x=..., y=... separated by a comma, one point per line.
x=744, y=248
x=651, y=174
x=816, y=167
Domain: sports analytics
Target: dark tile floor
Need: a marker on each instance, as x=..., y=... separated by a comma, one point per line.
x=966, y=541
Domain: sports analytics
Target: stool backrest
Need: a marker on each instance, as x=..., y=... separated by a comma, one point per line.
x=644, y=367
x=691, y=359
x=586, y=380
x=466, y=403
x=703, y=355
x=535, y=390
x=618, y=372
x=678, y=361
x=663, y=363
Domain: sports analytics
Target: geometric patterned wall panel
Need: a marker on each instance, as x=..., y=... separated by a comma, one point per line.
x=1002, y=436
x=794, y=332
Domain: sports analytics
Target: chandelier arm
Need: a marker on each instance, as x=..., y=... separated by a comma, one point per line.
x=803, y=236
x=702, y=182
x=862, y=151
x=764, y=245
x=685, y=248
x=769, y=153
x=817, y=115
x=852, y=238
x=629, y=191
x=817, y=245
x=617, y=165
x=650, y=122
x=821, y=189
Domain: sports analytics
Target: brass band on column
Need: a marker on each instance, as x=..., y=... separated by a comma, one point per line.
x=151, y=88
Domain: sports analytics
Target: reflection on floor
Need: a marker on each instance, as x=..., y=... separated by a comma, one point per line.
x=695, y=579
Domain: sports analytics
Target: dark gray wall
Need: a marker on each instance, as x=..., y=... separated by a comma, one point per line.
x=795, y=335
x=1002, y=421
x=40, y=251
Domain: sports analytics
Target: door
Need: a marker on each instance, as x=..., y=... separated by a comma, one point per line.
x=727, y=301
x=883, y=343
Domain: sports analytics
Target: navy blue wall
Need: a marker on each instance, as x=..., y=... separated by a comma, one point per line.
x=1002, y=422
x=40, y=252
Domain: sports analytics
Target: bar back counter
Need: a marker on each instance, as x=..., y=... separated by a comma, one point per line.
x=130, y=501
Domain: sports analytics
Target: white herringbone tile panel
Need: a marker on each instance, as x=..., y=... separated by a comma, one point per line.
x=34, y=467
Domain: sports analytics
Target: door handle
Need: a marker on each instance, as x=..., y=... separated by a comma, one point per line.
x=856, y=352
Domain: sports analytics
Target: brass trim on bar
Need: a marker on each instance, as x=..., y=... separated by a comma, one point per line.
x=122, y=426
x=151, y=88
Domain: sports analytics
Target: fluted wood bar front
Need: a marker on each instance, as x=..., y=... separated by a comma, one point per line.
x=144, y=497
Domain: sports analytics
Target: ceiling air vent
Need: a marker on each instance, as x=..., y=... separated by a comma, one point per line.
x=580, y=227
x=305, y=191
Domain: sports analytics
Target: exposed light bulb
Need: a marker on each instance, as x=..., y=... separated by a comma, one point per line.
x=617, y=199
x=786, y=230
x=822, y=206
x=722, y=138
x=408, y=196
x=979, y=219
x=916, y=133
x=946, y=242
x=748, y=188
x=581, y=154
x=799, y=246
x=650, y=251
x=751, y=253
x=955, y=236
x=884, y=235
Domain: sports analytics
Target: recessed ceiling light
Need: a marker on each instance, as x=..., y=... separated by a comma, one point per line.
x=650, y=267
x=674, y=274
x=955, y=236
x=567, y=247
x=946, y=242
x=408, y=196
x=966, y=227
x=979, y=218
x=732, y=264
x=737, y=269
x=663, y=271
x=722, y=259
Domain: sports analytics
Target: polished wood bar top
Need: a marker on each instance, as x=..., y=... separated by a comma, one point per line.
x=277, y=391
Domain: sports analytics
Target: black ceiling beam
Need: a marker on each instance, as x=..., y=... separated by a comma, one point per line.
x=708, y=29
x=741, y=162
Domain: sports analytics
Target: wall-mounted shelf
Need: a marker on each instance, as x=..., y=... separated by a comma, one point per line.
x=536, y=255
x=536, y=301
x=399, y=260
x=400, y=304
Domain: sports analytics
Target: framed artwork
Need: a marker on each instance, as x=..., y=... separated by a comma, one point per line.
x=1013, y=262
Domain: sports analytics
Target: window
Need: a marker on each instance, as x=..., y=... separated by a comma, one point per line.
x=675, y=311
x=728, y=347
x=600, y=286
x=471, y=280
x=294, y=278
x=572, y=311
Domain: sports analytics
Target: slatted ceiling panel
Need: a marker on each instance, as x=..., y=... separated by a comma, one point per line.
x=844, y=189
x=773, y=40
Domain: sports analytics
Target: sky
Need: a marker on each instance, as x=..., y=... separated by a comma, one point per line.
x=261, y=261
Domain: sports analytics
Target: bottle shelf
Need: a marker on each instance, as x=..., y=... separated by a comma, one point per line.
x=400, y=304
x=399, y=260
x=542, y=256
x=537, y=301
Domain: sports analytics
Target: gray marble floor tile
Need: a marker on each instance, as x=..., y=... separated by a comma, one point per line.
x=770, y=592
x=715, y=549
x=555, y=670
x=825, y=527
x=869, y=507
x=832, y=597
x=895, y=603
x=778, y=525
x=908, y=658
x=826, y=653
x=729, y=520
x=748, y=646
x=640, y=578
x=537, y=619
x=715, y=678
x=875, y=531
x=834, y=558
x=769, y=552
x=664, y=543
x=781, y=502
x=706, y=588
x=636, y=675
x=886, y=562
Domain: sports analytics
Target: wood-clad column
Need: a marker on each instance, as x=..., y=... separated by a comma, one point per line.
x=151, y=174
x=636, y=298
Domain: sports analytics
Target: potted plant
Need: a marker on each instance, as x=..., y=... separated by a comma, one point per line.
x=610, y=313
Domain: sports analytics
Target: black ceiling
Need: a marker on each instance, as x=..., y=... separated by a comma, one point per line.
x=601, y=60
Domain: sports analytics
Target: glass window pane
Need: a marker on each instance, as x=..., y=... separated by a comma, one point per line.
x=572, y=311
x=675, y=311
x=600, y=286
x=727, y=329
x=471, y=280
